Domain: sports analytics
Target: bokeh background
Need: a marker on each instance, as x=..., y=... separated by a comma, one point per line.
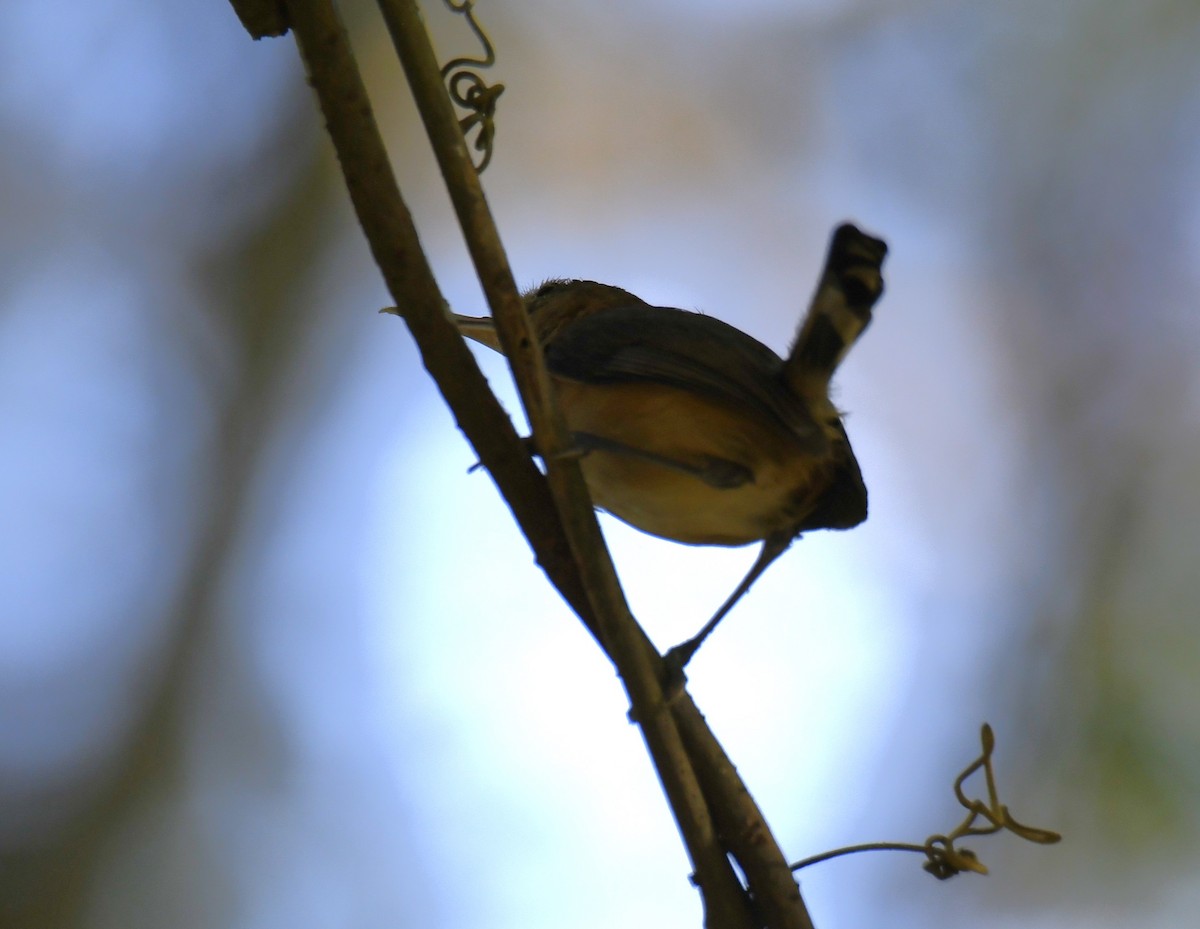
x=270, y=656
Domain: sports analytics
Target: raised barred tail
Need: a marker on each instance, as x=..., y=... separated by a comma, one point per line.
x=840, y=310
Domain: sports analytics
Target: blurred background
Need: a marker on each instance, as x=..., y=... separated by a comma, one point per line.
x=270, y=656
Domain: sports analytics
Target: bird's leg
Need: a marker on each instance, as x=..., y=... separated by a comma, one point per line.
x=773, y=546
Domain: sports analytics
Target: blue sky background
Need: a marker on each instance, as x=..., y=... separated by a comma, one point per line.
x=270, y=656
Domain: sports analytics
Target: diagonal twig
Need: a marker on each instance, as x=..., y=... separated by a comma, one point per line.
x=712, y=806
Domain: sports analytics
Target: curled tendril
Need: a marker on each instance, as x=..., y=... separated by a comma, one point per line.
x=469, y=91
x=943, y=858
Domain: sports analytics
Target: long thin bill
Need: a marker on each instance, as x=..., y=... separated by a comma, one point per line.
x=479, y=329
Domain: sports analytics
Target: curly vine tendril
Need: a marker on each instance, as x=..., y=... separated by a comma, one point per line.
x=943, y=858
x=469, y=91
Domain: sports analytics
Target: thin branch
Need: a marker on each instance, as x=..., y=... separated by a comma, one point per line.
x=741, y=824
x=389, y=228
x=599, y=602
x=640, y=667
x=856, y=849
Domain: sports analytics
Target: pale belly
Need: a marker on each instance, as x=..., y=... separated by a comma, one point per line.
x=670, y=503
x=676, y=506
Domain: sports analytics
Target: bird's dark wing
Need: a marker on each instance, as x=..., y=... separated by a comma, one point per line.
x=688, y=351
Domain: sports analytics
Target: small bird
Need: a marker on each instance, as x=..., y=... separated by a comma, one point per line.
x=690, y=429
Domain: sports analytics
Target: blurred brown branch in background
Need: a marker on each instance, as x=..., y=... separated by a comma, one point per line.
x=52, y=884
